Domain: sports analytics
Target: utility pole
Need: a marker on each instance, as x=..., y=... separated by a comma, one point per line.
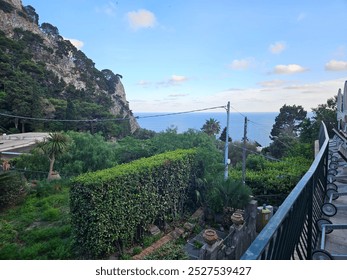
x=244, y=152
x=226, y=149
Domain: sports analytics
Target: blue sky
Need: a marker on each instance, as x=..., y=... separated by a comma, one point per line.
x=190, y=54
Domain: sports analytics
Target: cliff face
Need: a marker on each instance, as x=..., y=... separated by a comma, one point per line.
x=60, y=57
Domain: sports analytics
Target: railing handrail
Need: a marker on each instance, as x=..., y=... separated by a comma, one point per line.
x=263, y=239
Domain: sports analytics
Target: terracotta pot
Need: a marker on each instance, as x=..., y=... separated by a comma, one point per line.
x=210, y=236
x=237, y=218
x=54, y=176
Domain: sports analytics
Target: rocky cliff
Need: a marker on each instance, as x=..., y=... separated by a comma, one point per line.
x=67, y=64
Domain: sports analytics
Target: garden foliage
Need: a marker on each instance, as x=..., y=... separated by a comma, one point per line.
x=12, y=189
x=272, y=181
x=113, y=207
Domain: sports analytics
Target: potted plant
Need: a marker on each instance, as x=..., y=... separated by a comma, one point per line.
x=225, y=196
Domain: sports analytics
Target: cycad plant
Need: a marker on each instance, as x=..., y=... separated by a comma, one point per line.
x=53, y=146
x=227, y=194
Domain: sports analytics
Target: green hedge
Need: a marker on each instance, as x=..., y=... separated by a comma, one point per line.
x=112, y=207
x=271, y=182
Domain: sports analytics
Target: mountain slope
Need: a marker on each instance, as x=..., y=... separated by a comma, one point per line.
x=43, y=76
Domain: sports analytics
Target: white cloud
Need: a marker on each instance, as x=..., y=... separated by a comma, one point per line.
x=336, y=65
x=178, y=95
x=253, y=99
x=177, y=79
x=277, y=47
x=289, y=69
x=272, y=83
x=141, y=19
x=241, y=64
x=77, y=43
x=174, y=80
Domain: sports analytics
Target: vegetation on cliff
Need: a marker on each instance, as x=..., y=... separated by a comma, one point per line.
x=45, y=80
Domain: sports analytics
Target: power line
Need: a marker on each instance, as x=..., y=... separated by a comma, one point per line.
x=179, y=113
x=106, y=119
x=243, y=115
x=254, y=152
x=248, y=119
x=62, y=120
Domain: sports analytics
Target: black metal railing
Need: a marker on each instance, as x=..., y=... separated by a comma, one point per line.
x=291, y=233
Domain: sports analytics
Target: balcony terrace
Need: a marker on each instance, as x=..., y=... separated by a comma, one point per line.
x=312, y=222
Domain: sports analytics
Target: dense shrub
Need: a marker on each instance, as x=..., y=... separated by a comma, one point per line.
x=114, y=206
x=86, y=152
x=272, y=181
x=12, y=188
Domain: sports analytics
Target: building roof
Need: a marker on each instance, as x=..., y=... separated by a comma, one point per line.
x=21, y=142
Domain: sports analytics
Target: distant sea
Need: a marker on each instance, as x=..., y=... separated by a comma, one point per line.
x=258, y=128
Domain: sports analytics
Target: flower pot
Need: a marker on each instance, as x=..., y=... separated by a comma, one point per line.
x=210, y=236
x=237, y=219
x=54, y=176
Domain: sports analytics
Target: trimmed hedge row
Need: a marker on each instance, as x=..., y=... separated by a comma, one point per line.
x=112, y=207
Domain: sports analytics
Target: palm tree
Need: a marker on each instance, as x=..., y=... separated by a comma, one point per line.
x=211, y=127
x=53, y=146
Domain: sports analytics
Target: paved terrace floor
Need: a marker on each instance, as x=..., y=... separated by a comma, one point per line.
x=336, y=241
x=20, y=143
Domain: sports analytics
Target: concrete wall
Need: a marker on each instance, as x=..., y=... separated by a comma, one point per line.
x=236, y=242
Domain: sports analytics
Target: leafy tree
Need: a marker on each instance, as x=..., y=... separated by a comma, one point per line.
x=256, y=162
x=129, y=149
x=236, y=151
x=224, y=135
x=49, y=29
x=281, y=145
x=30, y=11
x=144, y=134
x=87, y=152
x=211, y=127
x=323, y=112
x=70, y=114
x=326, y=113
x=288, y=121
x=286, y=129
x=171, y=140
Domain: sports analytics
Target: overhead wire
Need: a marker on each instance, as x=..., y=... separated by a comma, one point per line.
x=179, y=113
x=62, y=120
x=107, y=119
x=254, y=152
x=124, y=118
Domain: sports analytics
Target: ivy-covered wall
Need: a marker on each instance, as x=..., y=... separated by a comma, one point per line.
x=114, y=206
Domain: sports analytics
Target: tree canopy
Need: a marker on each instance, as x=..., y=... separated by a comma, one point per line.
x=288, y=121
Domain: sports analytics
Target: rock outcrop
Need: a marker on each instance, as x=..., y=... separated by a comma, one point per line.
x=62, y=58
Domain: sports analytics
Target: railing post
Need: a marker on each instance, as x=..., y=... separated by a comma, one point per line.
x=310, y=217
